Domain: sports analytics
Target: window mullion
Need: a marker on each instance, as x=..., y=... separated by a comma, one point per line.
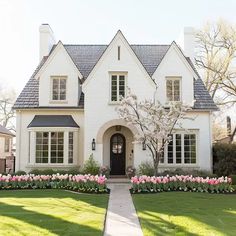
x=174, y=148
x=118, y=92
x=182, y=148
x=49, y=147
x=59, y=88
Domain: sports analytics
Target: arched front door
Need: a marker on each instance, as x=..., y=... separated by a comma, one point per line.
x=117, y=154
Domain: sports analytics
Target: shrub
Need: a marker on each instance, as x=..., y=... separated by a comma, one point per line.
x=195, y=173
x=224, y=159
x=146, y=168
x=20, y=172
x=72, y=171
x=91, y=166
x=130, y=171
x=43, y=172
x=233, y=177
x=104, y=170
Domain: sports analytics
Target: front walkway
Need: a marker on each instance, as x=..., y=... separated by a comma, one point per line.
x=121, y=219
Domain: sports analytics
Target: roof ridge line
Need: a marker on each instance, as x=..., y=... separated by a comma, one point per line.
x=85, y=44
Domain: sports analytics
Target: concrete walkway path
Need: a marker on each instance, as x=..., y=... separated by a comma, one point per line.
x=121, y=219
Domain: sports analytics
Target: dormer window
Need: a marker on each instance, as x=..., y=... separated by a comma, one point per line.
x=173, y=88
x=59, y=88
x=117, y=86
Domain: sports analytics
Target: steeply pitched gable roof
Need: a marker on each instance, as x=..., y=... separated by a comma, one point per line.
x=85, y=58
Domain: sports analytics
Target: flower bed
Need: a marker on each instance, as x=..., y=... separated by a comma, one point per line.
x=81, y=183
x=148, y=184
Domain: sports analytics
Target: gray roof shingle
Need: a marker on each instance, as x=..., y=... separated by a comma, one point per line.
x=203, y=100
x=85, y=58
x=4, y=130
x=53, y=121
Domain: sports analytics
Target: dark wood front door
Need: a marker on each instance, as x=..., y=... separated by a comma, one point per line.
x=117, y=154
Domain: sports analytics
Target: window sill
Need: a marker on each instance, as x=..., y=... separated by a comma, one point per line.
x=58, y=101
x=114, y=103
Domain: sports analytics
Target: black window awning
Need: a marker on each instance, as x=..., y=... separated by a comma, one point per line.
x=53, y=121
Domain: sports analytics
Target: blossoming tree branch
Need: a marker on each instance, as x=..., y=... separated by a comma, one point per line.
x=154, y=122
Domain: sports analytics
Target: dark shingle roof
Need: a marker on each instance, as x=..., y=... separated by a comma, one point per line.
x=53, y=121
x=4, y=130
x=150, y=55
x=203, y=100
x=85, y=58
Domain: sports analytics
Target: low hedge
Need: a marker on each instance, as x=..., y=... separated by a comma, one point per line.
x=224, y=159
x=152, y=184
x=81, y=183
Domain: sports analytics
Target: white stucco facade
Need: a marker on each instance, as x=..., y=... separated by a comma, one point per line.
x=98, y=119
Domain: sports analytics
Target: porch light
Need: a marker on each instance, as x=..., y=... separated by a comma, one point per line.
x=93, y=144
x=144, y=146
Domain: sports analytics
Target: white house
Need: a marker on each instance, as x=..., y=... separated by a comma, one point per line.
x=6, y=155
x=66, y=111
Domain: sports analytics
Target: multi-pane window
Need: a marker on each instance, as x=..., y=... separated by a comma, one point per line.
x=7, y=145
x=57, y=147
x=189, y=148
x=173, y=89
x=181, y=149
x=42, y=141
x=58, y=88
x=117, y=87
x=70, y=148
x=49, y=147
x=170, y=151
x=178, y=148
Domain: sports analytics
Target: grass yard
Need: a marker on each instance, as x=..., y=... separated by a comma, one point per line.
x=51, y=212
x=180, y=213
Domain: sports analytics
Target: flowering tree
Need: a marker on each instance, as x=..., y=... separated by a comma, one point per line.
x=153, y=121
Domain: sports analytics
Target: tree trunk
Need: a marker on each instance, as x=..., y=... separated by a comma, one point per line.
x=156, y=162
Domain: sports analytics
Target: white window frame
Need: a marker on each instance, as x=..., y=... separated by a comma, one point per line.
x=7, y=139
x=59, y=77
x=174, y=164
x=173, y=78
x=32, y=149
x=118, y=74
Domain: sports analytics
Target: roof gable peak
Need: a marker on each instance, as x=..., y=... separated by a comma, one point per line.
x=46, y=59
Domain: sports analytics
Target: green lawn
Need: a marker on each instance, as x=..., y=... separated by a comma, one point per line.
x=51, y=212
x=180, y=213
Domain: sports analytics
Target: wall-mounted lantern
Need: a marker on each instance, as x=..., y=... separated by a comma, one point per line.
x=93, y=144
x=144, y=146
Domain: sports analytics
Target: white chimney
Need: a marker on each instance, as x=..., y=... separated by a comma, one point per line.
x=46, y=40
x=187, y=42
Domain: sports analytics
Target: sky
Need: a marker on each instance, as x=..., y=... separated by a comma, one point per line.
x=94, y=21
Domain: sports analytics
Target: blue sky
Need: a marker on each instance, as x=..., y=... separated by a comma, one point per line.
x=94, y=21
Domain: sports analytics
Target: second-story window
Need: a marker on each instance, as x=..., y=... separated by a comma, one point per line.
x=58, y=88
x=117, y=87
x=173, y=89
x=7, y=145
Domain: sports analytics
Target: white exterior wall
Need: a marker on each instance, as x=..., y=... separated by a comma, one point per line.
x=59, y=64
x=174, y=65
x=4, y=154
x=98, y=109
x=24, y=161
x=199, y=124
